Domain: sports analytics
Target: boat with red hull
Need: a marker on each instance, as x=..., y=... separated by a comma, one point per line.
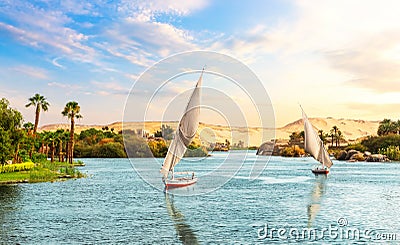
x=180, y=182
x=315, y=147
x=184, y=134
x=320, y=171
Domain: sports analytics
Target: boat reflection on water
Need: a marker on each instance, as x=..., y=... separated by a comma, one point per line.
x=184, y=231
x=316, y=196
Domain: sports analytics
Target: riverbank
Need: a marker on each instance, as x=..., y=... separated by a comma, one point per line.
x=44, y=171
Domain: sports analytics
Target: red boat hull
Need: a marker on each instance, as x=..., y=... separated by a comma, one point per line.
x=180, y=182
x=320, y=171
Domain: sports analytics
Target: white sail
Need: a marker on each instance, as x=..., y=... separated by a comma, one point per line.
x=186, y=131
x=313, y=144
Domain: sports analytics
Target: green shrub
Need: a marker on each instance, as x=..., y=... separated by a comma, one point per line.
x=23, y=154
x=392, y=152
x=292, y=151
x=358, y=147
x=196, y=151
x=375, y=143
x=158, y=148
x=38, y=157
x=42, y=175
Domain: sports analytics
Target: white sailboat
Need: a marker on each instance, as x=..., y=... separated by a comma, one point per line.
x=314, y=146
x=183, y=136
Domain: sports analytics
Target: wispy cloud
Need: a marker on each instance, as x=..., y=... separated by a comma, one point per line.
x=107, y=88
x=55, y=62
x=64, y=85
x=148, y=11
x=143, y=43
x=34, y=72
x=46, y=30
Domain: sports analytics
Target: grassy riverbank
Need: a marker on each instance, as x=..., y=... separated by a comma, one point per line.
x=43, y=171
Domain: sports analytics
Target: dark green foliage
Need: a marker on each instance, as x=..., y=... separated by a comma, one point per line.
x=196, y=151
x=38, y=157
x=23, y=154
x=91, y=136
x=158, y=133
x=375, y=143
x=158, y=148
x=296, y=138
x=136, y=146
x=392, y=152
x=108, y=150
x=387, y=126
x=10, y=119
x=358, y=147
x=5, y=146
x=106, y=144
x=167, y=132
x=10, y=135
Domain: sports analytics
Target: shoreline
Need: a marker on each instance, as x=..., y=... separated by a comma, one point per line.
x=44, y=171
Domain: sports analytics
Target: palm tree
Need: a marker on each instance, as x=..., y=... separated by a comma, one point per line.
x=28, y=127
x=339, y=137
x=71, y=110
x=397, y=127
x=385, y=127
x=51, y=137
x=334, y=134
x=18, y=136
x=60, y=136
x=39, y=101
x=322, y=136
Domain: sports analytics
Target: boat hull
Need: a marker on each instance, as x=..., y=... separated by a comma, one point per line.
x=180, y=182
x=320, y=171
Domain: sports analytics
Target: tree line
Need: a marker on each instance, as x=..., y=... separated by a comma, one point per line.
x=386, y=142
x=335, y=136
x=20, y=141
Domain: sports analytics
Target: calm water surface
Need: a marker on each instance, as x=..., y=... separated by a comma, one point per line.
x=113, y=205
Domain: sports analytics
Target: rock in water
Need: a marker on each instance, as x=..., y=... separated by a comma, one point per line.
x=341, y=155
x=377, y=158
x=351, y=153
x=357, y=157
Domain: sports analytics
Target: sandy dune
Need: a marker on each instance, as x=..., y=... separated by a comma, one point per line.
x=351, y=129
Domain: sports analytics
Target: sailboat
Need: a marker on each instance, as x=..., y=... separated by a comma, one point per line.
x=183, y=136
x=314, y=146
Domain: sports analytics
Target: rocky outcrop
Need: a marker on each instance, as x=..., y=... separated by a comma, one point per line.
x=350, y=153
x=341, y=155
x=377, y=158
x=356, y=156
x=269, y=148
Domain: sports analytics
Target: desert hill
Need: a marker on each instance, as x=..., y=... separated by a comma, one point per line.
x=351, y=129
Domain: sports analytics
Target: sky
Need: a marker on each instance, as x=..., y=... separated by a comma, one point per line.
x=337, y=58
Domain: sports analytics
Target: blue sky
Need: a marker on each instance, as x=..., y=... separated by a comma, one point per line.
x=337, y=58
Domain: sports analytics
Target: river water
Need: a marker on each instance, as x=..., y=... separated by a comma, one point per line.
x=358, y=203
